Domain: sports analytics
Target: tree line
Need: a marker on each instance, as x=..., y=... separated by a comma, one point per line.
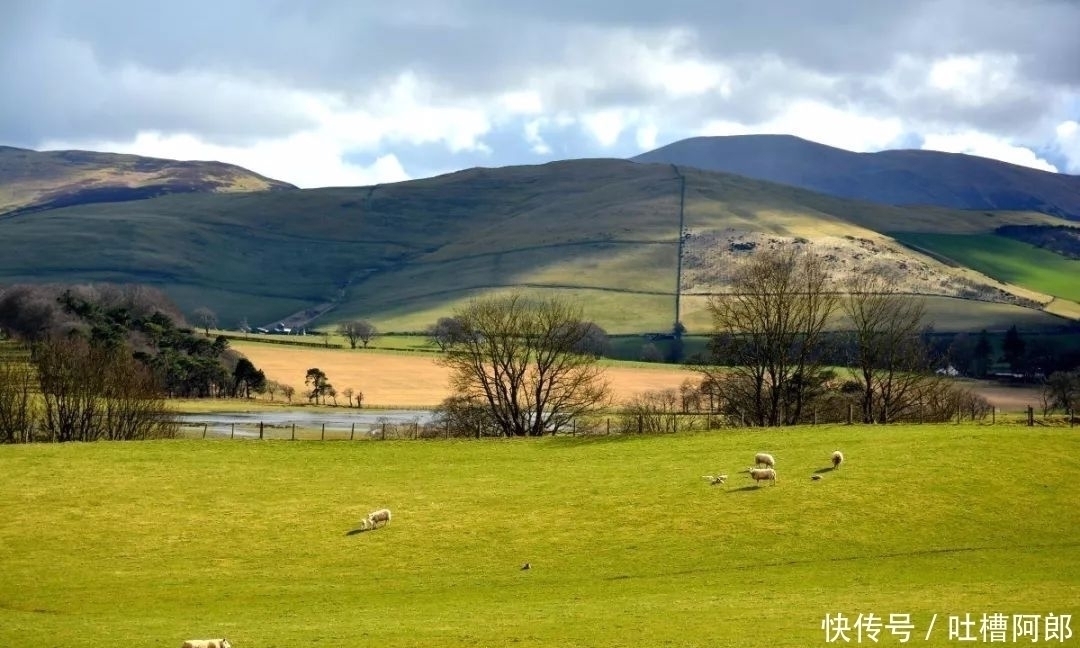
x=98, y=362
x=788, y=345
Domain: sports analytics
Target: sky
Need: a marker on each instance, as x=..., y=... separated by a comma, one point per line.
x=354, y=92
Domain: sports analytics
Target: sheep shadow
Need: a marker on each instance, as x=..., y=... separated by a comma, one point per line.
x=824, y=470
x=745, y=489
x=351, y=532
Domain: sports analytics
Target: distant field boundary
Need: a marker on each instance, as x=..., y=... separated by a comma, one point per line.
x=611, y=424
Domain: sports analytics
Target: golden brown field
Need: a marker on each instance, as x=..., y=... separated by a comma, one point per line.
x=414, y=379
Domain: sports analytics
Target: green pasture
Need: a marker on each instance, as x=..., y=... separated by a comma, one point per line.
x=150, y=543
x=1005, y=259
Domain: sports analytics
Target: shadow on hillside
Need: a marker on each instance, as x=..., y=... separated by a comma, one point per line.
x=824, y=470
x=355, y=531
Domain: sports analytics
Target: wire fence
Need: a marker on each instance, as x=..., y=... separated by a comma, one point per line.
x=602, y=425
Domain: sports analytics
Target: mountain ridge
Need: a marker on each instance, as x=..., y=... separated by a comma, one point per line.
x=605, y=232
x=909, y=177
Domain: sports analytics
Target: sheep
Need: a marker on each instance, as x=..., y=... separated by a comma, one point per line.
x=715, y=479
x=764, y=458
x=837, y=459
x=207, y=643
x=373, y=518
x=815, y=477
x=761, y=474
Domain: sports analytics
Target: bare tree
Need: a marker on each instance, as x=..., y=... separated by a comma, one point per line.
x=890, y=359
x=205, y=319
x=17, y=405
x=523, y=358
x=770, y=331
x=445, y=332
x=348, y=393
x=357, y=331
x=288, y=390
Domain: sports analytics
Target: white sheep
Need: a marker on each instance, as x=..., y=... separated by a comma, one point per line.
x=764, y=458
x=761, y=474
x=207, y=643
x=715, y=479
x=372, y=520
x=837, y=459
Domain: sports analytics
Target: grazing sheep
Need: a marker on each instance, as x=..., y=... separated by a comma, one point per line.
x=837, y=459
x=207, y=643
x=764, y=458
x=761, y=474
x=373, y=518
x=715, y=480
x=526, y=567
x=815, y=477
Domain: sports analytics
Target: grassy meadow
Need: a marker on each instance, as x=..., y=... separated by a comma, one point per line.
x=156, y=542
x=1007, y=260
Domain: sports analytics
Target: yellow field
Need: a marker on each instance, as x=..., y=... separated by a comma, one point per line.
x=414, y=379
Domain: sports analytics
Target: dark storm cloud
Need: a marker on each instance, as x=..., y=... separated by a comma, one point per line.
x=234, y=71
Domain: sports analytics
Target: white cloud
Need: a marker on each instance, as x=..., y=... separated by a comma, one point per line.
x=605, y=126
x=535, y=140
x=985, y=145
x=819, y=122
x=306, y=160
x=974, y=80
x=1068, y=144
x=646, y=136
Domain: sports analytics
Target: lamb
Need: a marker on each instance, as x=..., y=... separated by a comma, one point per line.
x=372, y=520
x=837, y=459
x=207, y=643
x=764, y=458
x=761, y=474
x=715, y=480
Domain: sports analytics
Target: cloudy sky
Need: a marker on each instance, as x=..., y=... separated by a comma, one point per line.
x=350, y=92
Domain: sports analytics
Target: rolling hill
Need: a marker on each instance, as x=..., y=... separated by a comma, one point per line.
x=37, y=180
x=897, y=177
x=610, y=233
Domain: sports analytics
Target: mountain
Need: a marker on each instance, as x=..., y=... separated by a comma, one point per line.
x=37, y=180
x=638, y=245
x=901, y=177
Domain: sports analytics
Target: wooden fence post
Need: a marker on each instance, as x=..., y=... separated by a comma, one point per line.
x=260, y=430
x=573, y=427
x=608, y=420
x=384, y=430
x=293, y=437
x=993, y=415
x=1031, y=416
x=640, y=424
x=232, y=431
x=322, y=437
x=352, y=431
x=204, y=430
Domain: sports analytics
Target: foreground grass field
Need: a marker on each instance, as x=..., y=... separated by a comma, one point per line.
x=147, y=544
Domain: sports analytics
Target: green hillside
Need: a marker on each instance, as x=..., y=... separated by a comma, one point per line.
x=1006, y=259
x=606, y=232
x=157, y=542
x=36, y=180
